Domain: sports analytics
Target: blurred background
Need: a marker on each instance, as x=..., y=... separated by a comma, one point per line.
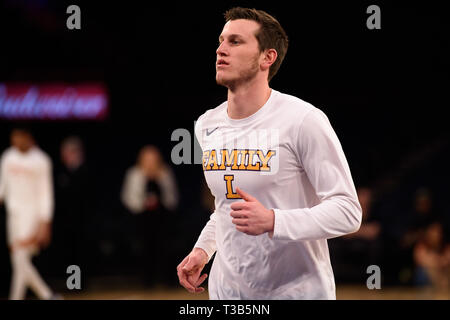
x=104, y=100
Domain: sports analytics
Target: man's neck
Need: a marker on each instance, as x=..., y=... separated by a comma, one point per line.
x=247, y=99
x=24, y=150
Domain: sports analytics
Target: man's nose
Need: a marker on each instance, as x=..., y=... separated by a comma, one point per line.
x=222, y=50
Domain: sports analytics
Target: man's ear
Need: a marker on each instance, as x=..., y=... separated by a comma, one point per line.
x=269, y=57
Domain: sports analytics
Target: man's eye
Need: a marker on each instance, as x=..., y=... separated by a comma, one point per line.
x=234, y=42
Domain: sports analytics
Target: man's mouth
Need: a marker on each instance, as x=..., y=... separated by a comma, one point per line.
x=221, y=63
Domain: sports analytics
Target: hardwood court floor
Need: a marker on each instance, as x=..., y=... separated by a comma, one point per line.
x=344, y=292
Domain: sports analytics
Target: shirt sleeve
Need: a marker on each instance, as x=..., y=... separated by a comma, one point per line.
x=133, y=191
x=45, y=191
x=207, y=238
x=321, y=156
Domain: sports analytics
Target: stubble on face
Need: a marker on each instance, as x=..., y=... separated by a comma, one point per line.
x=244, y=75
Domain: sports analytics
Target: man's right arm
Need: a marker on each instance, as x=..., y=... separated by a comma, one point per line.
x=189, y=270
x=207, y=238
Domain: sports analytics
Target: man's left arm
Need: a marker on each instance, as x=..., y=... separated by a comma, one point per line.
x=324, y=162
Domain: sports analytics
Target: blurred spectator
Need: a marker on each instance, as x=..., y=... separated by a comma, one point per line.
x=421, y=215
x=432, y=258
x=370, y=229
x=419, y=218
x=27, y=189
x=354, y=252
x=73, y=206
x=149, y=184
x=150, y=193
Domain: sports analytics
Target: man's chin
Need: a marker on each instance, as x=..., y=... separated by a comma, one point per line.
x=223, y=82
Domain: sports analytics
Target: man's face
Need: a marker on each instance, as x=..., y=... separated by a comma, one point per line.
x=21, y=140
x=71, y=156
x=150, y=162
x=238, y=55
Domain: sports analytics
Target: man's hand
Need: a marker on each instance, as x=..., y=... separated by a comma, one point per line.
x=44, y=234
x=190, y=268
x=251, y=217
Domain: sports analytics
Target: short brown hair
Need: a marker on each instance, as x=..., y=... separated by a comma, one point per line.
x=270, y=35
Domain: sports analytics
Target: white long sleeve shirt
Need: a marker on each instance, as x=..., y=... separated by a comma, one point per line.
x=288, y=157
x=26, y=187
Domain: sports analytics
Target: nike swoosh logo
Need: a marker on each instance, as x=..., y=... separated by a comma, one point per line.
x=210, y=132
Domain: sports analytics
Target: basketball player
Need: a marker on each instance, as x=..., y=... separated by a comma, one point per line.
x=276, y=201
x=26, y=188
